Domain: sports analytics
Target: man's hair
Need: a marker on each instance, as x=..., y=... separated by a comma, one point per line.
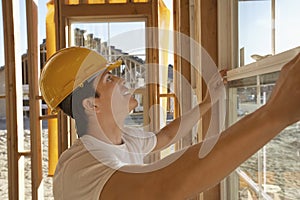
x=72, y=105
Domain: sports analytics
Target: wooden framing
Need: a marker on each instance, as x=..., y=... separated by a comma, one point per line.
x=14, y=115
x=34, y=102
x=209, y=41
x=183, y=61
x=228, y=54
x=15, y=150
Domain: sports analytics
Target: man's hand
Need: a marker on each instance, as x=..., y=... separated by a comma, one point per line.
x=284, y=101
x=215, y=88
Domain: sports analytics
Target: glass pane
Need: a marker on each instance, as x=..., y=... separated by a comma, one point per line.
x=263, y=31
x=254, y=29
x=287, y=24
x=114, y=41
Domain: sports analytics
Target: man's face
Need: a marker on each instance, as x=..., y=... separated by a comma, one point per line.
x=114, y=95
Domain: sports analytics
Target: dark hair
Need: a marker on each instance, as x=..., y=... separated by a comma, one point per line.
x=72, y=105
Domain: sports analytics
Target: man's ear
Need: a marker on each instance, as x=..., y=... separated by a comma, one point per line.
x=89, y=104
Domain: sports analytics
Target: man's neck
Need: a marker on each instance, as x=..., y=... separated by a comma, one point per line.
x=106, y=130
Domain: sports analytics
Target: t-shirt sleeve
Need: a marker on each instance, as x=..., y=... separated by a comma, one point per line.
x=143, y=140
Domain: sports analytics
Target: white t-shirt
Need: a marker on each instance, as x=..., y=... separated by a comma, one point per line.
x=86, y=166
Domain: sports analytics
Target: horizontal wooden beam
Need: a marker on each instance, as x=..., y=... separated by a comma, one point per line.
x=167, y=95
x=45, y=117
x=106, y=10
x=25, y=153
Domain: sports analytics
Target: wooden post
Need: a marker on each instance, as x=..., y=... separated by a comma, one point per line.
x=13, y=85
x=209, y=41
x=182, y=61
x=35, y=127
x=153, y=58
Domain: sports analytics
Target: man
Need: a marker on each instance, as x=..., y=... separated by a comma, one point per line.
x=106, y=162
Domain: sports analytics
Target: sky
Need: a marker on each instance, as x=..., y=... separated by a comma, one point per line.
x=23, y=33
x=254, y=32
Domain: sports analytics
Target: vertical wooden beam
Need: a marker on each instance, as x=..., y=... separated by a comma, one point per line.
x=60, y=22
x=152, y=71
x=152, y=89
x=196, y=23
x=185, y=65
x=209, y=41
x=13, y=85
x=176, y=57
x=35, y=127
x=273, y=13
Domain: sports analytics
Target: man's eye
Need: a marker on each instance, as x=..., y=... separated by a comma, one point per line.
x=109, y=78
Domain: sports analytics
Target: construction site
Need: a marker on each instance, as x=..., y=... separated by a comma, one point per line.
x=167, y=51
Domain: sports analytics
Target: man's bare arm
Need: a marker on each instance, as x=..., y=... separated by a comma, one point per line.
x=181, y=126
x=188, y=174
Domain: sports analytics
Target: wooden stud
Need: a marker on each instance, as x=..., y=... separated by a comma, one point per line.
x=60, y=22
x=35, y=127
x=14, y=109
x=152, y=71
x=209, y=41
x=185, y=65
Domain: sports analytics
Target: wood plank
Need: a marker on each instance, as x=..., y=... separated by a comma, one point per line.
x=209, y=41
x=14, y=109
x=106, y=10
x=176, y=57
x=60, y=30
x=185, y=65
x=35, y=127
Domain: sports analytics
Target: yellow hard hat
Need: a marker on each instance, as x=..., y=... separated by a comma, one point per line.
x=68, y=69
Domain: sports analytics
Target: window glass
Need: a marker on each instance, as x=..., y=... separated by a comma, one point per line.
x=274, y=168
x=254, y=29
x=267, y=27
x=287, y=25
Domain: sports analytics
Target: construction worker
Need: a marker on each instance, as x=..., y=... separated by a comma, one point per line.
x=106, y=162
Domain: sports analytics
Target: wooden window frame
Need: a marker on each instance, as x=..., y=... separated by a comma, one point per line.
x=228, y=51
x=114, y=12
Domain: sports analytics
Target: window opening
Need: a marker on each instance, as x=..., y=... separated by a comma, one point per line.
x=111, y=39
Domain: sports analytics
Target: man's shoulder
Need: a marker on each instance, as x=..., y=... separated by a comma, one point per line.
x=137, y=135
x=136, y=131
x=76, y=147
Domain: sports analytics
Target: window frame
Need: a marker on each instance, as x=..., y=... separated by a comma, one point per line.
x=228, y=50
